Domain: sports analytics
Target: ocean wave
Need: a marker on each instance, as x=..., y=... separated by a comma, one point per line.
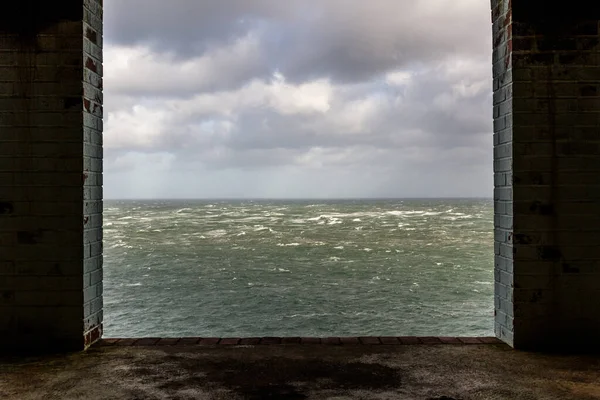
x=216, y=233
x=253, y=218
x=288, y=244
x=260, y=228
x=357, y=214
x=311, y=315
x=398, y=213
x=457, y=217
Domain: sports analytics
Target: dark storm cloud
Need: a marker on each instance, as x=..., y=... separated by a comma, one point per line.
x=345, y=40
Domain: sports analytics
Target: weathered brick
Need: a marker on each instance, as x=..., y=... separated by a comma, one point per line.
x=230, y=341
x=369, y=340
x=43, y=151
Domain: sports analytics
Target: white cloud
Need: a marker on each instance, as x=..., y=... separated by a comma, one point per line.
x=269, y=99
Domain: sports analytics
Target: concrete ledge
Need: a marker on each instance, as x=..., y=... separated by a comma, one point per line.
x=328, y=341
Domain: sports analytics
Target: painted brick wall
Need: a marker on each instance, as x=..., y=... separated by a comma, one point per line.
x=92, y=168
x=49, y=219
x=503, y=164
x=547, y=173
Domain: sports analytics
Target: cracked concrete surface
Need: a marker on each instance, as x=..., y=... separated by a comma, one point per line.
x=296, y=372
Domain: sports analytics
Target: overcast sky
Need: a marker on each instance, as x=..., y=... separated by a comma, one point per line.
x=297, y=98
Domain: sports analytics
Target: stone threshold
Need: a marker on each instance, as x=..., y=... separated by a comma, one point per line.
x=232, y=341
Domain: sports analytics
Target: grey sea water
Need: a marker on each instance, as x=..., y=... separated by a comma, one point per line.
x=298, y=268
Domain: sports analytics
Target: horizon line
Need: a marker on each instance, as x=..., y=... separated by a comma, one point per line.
x=307, y=198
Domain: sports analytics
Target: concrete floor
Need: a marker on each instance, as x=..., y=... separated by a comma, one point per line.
x=298, y=372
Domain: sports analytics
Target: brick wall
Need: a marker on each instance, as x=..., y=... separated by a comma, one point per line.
x=50, y=175
x=503, y=164
x=92, y=167
x=547, y=173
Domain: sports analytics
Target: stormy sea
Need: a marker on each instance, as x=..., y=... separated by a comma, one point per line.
x=298, y=268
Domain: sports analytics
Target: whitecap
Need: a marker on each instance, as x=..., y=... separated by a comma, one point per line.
x=288, y=244
x=356, y=220
x=367, y=249
x=217, y=233
x=133, y=284
x=402, y=213
x=339, y=247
